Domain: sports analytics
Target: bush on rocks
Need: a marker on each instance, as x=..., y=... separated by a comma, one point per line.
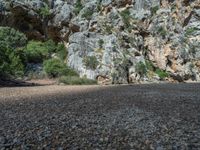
x=141, y=68
x=91, y=62
x=78, y=7
x=50, y=45
x=10, y=63
x=125, y=14
x=61, y=51
x=87, y=14
x=55, y=68
x=11, y=42
x=36, y=52
x=162, y=74
x=12, y=38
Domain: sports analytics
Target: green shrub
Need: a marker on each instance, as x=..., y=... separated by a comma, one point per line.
x=74, y=80
x=190, y=31
x=61, y=51
x=78, y=7
x=162, y=74
x=101, y=42
x=50, y=46
x=10, y=63
x=141, y=68
x=126, y=16
x=162, y=31
x=91, y=62
x=149, y=65
x=11, y=42
x=12, y=37
x=45, y=11
x=55, y=68
x=87, y=14
x=36, y=52
x=108, y=28
x=154, y=10
x=99, y=5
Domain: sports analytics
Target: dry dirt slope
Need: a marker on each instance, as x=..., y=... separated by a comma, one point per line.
x=158, y=117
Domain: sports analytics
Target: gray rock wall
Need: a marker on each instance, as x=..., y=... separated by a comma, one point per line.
x=119, y=34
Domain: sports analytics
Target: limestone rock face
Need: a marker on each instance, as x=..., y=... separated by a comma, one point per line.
x=121, y=41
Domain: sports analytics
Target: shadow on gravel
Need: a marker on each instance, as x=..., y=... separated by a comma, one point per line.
x=17, y=83
x=150, y=116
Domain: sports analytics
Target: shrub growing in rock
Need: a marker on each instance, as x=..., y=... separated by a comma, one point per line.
x=107, y=27
x=45, y=11
x=126, y=16
x=90, y=62
x=50, y=46
x=149, y=65
x=154, y=10
x=78, y=7
x=36, y=52
x=162, y=74
x=141, y=68
x=99, y=5
x=162, y=31
x=190, y=31
x=55, y=68
x=61, y=51
x=101, y=42
x=87, y=14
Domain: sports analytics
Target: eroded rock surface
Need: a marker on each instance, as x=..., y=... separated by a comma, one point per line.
x=119, y=34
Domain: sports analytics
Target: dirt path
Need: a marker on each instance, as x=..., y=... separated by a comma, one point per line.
x=158, y=117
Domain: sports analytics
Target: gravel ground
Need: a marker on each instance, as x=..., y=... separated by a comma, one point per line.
x=165, y=116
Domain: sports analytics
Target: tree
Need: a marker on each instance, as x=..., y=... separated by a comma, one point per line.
x=11, y=41
x=10, y=63
x=45, y=14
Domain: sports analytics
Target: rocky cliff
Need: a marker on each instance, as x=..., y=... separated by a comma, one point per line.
x=116, y=41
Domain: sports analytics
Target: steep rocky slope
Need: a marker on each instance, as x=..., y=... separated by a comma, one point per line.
x=116, y=41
